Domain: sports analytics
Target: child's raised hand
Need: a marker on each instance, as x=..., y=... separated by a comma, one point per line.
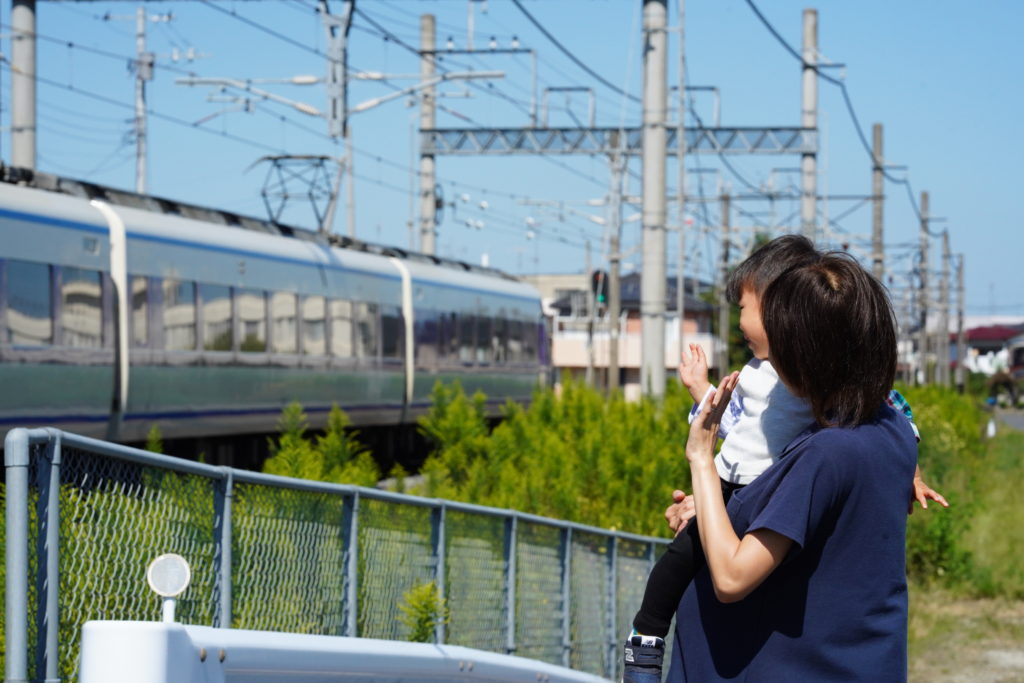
x=922, y=492
x=700, y=443
x=693, y=371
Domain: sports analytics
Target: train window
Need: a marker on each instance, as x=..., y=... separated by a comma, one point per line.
x=217, y=318
x=447, y=338
x=252, y=320
x=426, y=336
x=314, y=342
x=483, y=339
x=366, y=330
x=140, y=310
x=179, y=315
x=29, y=304
x=81, y=311
x=499, y=338
x=515, y=341
x=284, y=322
x=467, y=326
x=530, y=341
x=392, y=331
x=341, y=328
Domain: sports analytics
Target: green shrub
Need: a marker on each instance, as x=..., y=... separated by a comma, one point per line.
x=336, y=456
x=577, y=456
x=423, y=609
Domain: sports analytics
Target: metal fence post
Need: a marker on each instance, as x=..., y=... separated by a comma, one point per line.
x=566, y=595
x=511, y=531
x=16, y=459
x=222, y=500
x=350, y=550
x=612, y=595
x=437, y=523
x=49, y=517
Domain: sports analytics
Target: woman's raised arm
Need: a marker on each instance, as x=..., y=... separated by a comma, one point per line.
x=738, y=565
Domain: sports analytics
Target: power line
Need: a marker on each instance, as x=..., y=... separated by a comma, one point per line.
x=846, y=99
x=159, y=115
x=96, y=51
x=601, y=79
x=269, y=31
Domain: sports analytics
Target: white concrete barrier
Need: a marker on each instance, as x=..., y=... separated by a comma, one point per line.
x=157, y=652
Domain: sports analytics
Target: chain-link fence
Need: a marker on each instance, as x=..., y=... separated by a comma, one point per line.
x=84, y=518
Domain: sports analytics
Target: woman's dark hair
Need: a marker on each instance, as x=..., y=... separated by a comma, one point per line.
x=832, y=337
x=767, y=263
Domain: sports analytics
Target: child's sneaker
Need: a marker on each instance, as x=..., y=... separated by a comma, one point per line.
x=642, y=658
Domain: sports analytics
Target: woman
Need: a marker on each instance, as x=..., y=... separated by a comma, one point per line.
x=805, y=576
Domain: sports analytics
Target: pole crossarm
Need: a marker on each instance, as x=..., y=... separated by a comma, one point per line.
x=737, y=140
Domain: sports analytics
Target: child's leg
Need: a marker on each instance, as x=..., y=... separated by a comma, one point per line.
x=668, y=580
x=671, y=575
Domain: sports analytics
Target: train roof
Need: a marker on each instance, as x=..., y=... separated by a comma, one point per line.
x=14, y=175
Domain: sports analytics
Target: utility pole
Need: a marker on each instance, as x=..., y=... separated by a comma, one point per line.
x=922, y=335
x=944, y=308
x=428, y=117
x=23, y=83
x=809, y=119
x=591, y=305
x=652, y=277
x=618, y=163
x=877, y=199
x=338, y=124
x=681, y=180
x=723, y=302
x=143, y=72
x=961, y=341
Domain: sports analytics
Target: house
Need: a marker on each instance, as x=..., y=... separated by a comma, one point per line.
x=575, y=348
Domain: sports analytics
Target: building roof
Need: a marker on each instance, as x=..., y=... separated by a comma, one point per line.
x=992, y=333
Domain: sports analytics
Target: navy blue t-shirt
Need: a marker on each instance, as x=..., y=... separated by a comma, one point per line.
x=836, y=608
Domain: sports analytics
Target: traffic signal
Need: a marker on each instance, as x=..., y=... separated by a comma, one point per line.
x=599, y=286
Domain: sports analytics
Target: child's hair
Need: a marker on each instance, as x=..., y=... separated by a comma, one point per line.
x=767, y=263
x=832, y=335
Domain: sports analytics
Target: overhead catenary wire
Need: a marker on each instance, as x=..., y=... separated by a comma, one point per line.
x=156, y=114
x=849, y=107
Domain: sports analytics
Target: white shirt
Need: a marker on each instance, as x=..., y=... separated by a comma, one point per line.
x=761, y=419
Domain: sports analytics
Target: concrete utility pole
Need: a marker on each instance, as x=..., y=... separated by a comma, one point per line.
x=944, y=308
x=961, y=341
x=591, y=310
x=338, y=124
x=723, y=302
x=618, y=163
x=428, y=119
x=23, y=83
x=143, y=72
x=877, y=199
x=922, y=335
x=681, y=179
x=809, y=119
x=652, y=276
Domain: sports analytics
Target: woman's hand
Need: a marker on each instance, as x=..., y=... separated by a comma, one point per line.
x=700, y=444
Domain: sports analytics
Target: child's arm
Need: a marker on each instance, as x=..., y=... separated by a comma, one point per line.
x=693, y=372
x=922, y=492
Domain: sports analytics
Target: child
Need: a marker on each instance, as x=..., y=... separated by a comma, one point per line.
x=761, y=419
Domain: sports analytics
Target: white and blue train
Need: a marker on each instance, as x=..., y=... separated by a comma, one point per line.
x=121, y=311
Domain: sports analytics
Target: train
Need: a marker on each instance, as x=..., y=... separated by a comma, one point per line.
x=121, y=311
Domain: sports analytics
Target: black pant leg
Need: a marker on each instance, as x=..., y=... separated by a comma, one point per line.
x=668, y=580
x=671, y=575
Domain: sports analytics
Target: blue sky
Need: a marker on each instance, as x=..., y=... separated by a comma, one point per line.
x=942, y=77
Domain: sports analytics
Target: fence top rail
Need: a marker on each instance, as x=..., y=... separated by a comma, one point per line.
x=148, y=458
